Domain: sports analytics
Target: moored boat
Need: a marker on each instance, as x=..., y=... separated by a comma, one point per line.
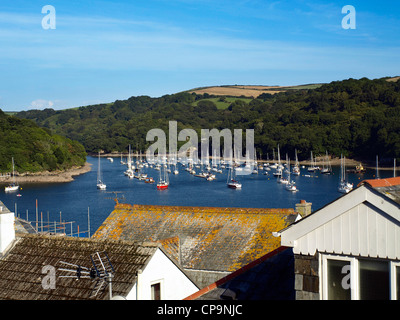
x=13, y=186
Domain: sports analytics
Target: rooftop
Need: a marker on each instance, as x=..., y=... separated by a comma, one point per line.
x=3, y=208
x=389, y=187
x=21, y=269
x=200, y=238
x=270, y=277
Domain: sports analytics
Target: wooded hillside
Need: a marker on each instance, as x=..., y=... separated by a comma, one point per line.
x=35, y=149
x=359, y=118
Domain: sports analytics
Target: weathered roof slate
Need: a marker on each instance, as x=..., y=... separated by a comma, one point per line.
x=270, y=277
x=218, y=239
x=390, y=187
x=21, y=269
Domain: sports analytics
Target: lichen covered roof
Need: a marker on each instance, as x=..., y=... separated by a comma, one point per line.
x=22, y=273
x=218, y=239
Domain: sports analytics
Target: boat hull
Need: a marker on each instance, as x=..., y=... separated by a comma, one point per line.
x=162, y=187
x=101, y=187
x=11, y=188
x=234, y=185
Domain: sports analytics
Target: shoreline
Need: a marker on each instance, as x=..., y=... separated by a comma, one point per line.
x=50, y=177
x=350, y=163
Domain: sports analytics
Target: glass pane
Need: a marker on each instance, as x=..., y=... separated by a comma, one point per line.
x=374, y=280
x=398, y=282
x=339, y=280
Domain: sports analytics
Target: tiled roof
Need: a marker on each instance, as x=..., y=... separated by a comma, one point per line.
x=270, y=277
x=378, y=183
x=390, y=187
x=21, y=268
x=217, y=239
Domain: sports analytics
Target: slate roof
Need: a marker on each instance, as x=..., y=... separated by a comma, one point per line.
x=270, y=277
x=21, y=268
x=389, y=187
x=201, y=238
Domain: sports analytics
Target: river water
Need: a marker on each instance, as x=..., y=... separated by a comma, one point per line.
x=81, y=203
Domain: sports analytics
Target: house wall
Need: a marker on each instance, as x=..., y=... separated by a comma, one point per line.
x=175, y=285
x=306, y=283
x=7, y=232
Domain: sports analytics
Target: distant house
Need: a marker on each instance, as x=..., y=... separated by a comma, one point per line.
x=349, y=249
x=208, y=243
x=31, y=268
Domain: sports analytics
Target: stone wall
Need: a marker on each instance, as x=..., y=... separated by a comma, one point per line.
x=306, y=277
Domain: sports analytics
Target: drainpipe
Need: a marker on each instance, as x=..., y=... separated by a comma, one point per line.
x=138, y=284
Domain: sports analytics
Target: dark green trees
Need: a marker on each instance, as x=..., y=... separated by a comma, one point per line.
x=34, y=148
x=359, y=118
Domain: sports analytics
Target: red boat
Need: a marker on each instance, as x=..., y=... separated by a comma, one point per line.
x=163, y=181
x=162, y=185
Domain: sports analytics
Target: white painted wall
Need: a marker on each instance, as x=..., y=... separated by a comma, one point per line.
x=361, y=223
x=7, y=231
x=175, y=285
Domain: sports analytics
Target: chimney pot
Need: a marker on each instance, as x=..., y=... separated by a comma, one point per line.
x=303, y=208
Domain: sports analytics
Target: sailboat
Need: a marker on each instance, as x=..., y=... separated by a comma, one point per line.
x=129, y=172
x=312, y=166
x=296, y=168
x=326, y=169
x=232, y=182
x=282, y=179
x=163, y=181
x=290, y=186
x=344, y=186
x=278, y=166
x=100, y=184
x=12, y=186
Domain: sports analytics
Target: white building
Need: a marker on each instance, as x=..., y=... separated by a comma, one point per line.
x=31, y=268
x=350, y=249
x=161, y=279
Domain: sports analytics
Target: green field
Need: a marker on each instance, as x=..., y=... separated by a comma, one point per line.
x=223, y=102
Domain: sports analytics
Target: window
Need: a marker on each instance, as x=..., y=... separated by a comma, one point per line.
x=374, y=280
x=398, y=283
x=346, y=278
x=156, y=291
x=338, y=285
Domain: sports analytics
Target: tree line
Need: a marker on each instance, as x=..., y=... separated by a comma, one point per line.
x=35, y=149
x=359, y=118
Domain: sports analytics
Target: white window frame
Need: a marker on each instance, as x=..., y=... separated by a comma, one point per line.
x=393, y=280
x=161, y=282
x=354, y=269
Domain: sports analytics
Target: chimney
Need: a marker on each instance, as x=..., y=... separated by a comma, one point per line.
x=7, y=231
x=303, y=208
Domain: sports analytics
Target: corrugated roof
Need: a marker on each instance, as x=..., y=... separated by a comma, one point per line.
x=21, y=269
x=217, y=239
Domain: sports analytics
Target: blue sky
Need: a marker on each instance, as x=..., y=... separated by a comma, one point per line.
x=102, y=51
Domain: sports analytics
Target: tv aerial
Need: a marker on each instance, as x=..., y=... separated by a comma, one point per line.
x=101, y=272
x=116, y=198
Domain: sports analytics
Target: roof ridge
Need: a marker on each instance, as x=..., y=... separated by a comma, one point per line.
x=377, y=183
x=208, y=210
x=88, y=240
x=236, y=273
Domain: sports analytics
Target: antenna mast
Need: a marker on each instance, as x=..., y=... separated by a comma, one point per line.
x=102, y=272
